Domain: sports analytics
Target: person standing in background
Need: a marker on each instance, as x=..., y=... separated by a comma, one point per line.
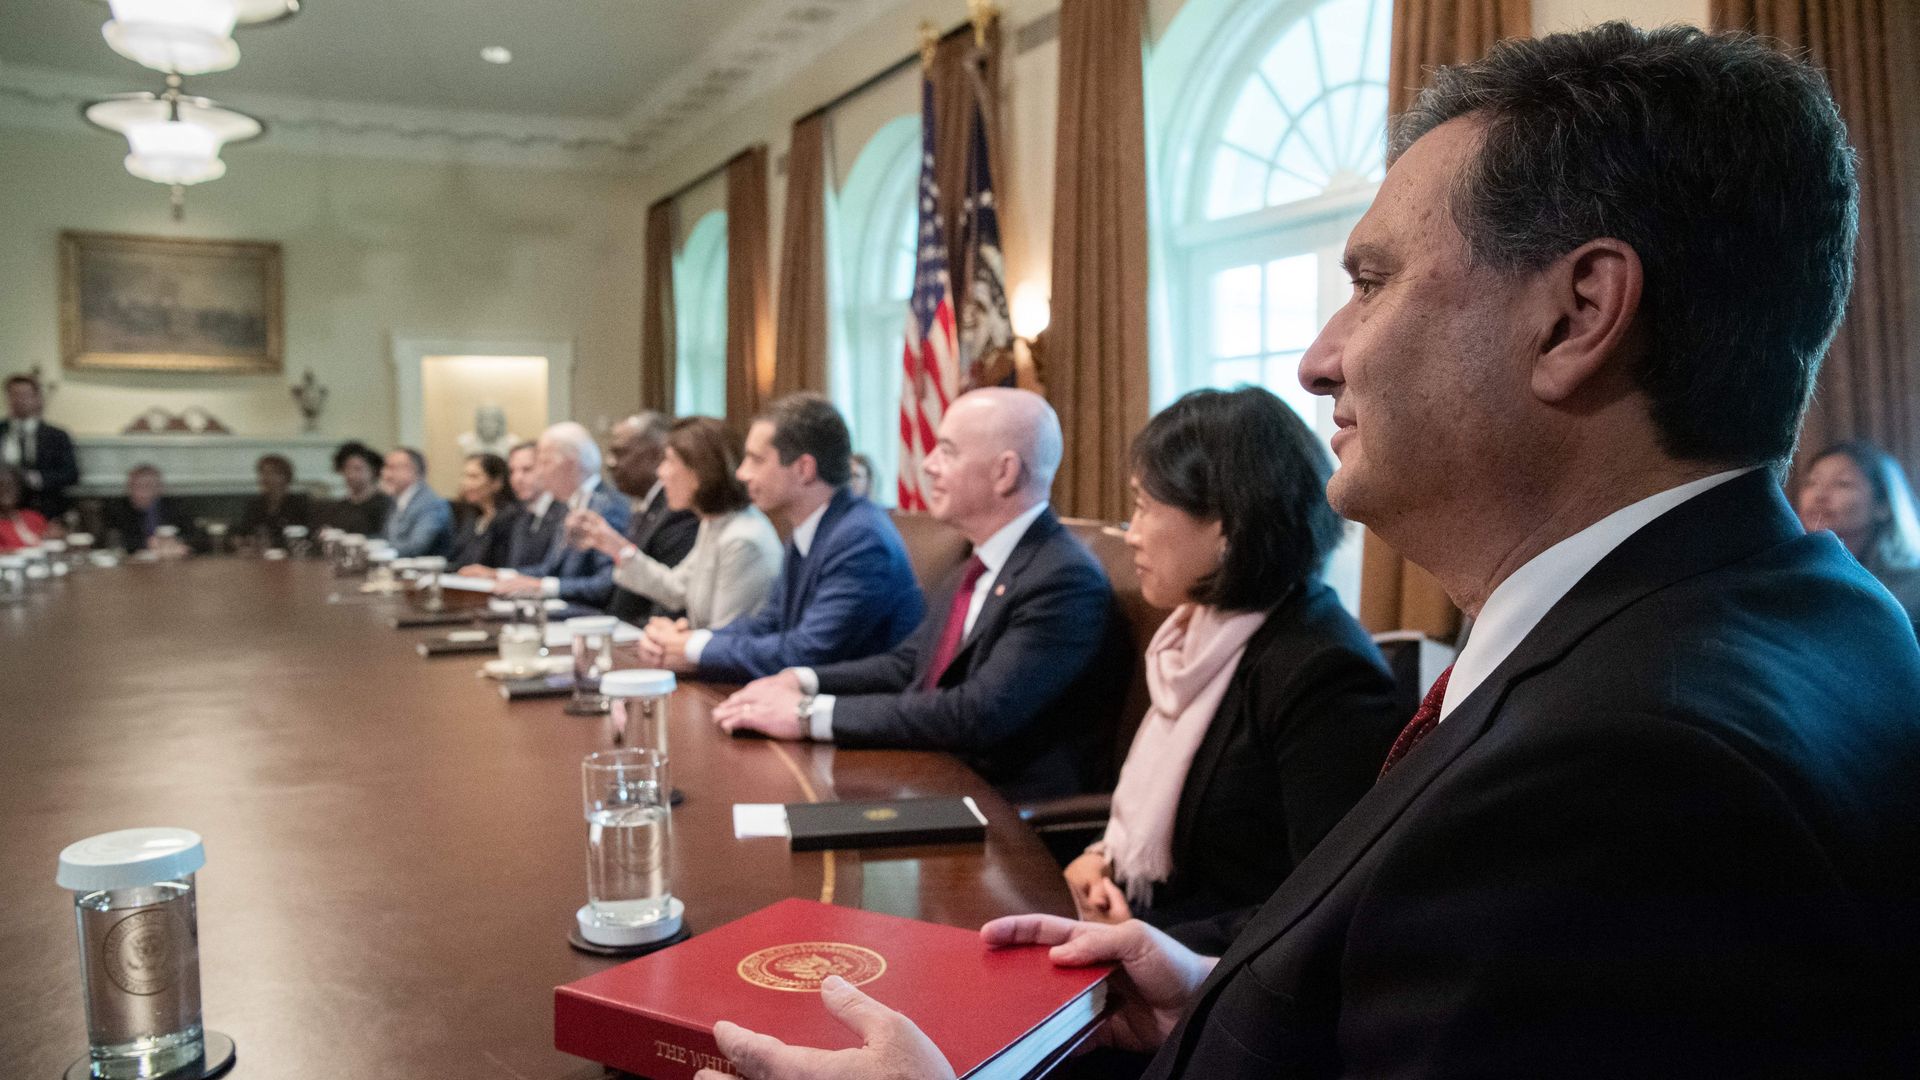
x=43, y=453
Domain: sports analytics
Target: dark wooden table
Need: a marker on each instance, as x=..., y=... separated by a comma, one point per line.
x=394, y=853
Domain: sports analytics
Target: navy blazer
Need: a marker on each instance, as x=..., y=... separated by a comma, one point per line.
x=853, y=595
x=531, y=538
x=1029, y=698
x=586, y=576
x=1674, y=834
x=58, y=464
x=423, y=527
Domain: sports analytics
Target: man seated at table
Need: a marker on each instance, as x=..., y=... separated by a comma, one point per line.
x=1005, y=667
x=146, y=520
x=567, y=467
x=846, y=591
x=534, y=530
x=422, y=521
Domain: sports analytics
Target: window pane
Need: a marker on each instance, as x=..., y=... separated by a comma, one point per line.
x=1236, y=311
x=1231, y=373
x=1292, y=67
x=1256, y=122
x=1238, y=184
x=1293, y=297
x=1283, y=378
x=1342, y=28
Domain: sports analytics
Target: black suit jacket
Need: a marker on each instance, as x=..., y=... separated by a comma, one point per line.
x=1673, y=835
x=532, y=537
x=57, y=463
x=665, y=535
x=295, y=509
x=1029, y=698
x=127, y=526
x=474, y=546
x=1297, y=740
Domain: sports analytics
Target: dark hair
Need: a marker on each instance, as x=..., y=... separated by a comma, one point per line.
x=1243, y=458
x=1895, y=543
x=145, y=468
x=356, y=449
x=419, y=462
x=23, y=378
x=1722, y=161
x=712, y=452
x=807, y=423
x=494, y=466
x=275, y=461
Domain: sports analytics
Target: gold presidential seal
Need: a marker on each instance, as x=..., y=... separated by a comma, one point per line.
x=142, y=952
x=881, y=813
x=802, y=966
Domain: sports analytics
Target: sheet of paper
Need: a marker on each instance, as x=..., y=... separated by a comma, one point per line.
x=558, y=638
x=466, y=584
x=754, y=820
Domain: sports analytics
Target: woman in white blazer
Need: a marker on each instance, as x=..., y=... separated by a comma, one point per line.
x=736, y=554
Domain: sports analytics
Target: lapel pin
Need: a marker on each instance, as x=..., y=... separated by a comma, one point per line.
x=999, y=590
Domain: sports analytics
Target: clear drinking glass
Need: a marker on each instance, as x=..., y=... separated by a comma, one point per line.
x=629, y=836
x=592, y=657
x=380, y=569
x=298, y=544
x=430, y=568
x=133, y=898
x=637, y=701
x=13, y=579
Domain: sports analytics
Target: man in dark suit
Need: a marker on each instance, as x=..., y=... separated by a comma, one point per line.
x=1661, y=819
x=43, y=453
x=567, y=462
x=659, y=531
x=533, y=530
x=1010, y=665
x=846, y=591
x=146, y=520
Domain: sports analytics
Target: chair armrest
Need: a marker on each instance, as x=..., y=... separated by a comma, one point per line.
x=1068, y=812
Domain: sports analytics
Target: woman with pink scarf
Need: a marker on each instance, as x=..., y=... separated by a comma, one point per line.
x=1271, y=709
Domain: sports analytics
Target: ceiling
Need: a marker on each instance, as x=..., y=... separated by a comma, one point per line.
x=576, y=59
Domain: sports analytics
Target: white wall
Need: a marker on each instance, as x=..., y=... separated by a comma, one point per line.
x=372, y=249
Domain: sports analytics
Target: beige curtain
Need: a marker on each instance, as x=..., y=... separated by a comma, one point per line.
x=1394, y=593
x=800, y=338
x=1096, y=352
x=656, y=311
x=749, y=290
x=1869, y=387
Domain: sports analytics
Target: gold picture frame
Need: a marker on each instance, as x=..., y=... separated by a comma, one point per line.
x=152, y=303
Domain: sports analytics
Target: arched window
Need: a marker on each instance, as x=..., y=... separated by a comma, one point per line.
x=700, y=319
x=1274, y=142
x=872, y=232
x=1268, y=134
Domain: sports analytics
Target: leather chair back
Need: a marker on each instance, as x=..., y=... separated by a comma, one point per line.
x=933, y=547
x=1108, y=544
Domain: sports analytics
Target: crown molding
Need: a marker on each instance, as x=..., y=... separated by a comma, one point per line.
x=49, y=100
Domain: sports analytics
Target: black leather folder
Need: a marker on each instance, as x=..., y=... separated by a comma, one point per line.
x=894, y=822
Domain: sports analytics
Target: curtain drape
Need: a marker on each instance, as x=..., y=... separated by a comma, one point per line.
x=749, y=290
x=656, y=311
x=800, y=338
x=1096, y=353
x=1869, y=387
x=954, y=90
x=1394, y=593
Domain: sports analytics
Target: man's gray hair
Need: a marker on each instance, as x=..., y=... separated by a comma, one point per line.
x=653, y=427
x=577, y=443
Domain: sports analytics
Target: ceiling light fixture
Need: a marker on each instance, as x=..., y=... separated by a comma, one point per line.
x=187, y=37
x=497, y=54
x=173, y=138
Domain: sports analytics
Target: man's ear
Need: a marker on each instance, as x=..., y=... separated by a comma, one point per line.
x=1593, y=294
x=807, y=467
x=1007, y=473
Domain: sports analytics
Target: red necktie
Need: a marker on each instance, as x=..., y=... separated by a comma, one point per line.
x=1425, y=719
x=956, y=627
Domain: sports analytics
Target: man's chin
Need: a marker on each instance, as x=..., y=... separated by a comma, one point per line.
x=1347, y=494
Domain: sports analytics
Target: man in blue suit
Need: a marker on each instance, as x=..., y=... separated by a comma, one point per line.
x=567, y=465
x=421, y=522
x=847, y=589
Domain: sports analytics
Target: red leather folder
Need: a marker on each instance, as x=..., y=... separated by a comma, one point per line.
x=993, y=1012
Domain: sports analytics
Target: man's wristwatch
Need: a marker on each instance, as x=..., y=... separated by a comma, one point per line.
x=804, y=712
x=626, y=553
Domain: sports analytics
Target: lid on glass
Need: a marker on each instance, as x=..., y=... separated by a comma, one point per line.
x=430, y=563
x=352, y=539
x=592, y=624
x=294, y=532
x=637, y=682
x=12, y=562
x=168, y=531
x=54, y=547
x=80, y=539
x=130, y=858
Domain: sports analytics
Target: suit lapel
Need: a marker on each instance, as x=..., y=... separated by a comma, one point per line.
x=1734, y=521
x=993, y=611
x=809, y=564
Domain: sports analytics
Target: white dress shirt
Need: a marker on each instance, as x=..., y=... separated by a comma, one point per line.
x=401, y=500
x=803, y=535
x=1520, y=602
x=993, y=552
x=550, y=586
x=27, y=429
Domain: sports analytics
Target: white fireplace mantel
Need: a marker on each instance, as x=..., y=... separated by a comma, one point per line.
x=201, y=464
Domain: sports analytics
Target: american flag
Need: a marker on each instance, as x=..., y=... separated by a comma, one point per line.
x=932, y=355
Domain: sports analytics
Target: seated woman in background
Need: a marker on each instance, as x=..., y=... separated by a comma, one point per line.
x=736, y=554
x=19, y=526
x=1271, y=709
x=365, y=509
x=1861, y=493
x=483, y=518
x=268, y=514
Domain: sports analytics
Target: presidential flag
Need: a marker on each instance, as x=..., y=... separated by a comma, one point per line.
x=986, y=326
x=932, y=353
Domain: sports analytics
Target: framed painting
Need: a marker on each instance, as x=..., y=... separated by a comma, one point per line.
x=148, y=303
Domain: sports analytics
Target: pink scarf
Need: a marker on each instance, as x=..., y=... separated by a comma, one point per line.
x=1189, y=664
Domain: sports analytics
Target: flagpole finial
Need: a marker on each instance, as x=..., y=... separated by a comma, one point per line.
x=929, y=43
x=982, y=12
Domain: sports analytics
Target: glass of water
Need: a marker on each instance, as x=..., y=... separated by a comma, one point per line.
x=629, y=837
x=592, y=657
